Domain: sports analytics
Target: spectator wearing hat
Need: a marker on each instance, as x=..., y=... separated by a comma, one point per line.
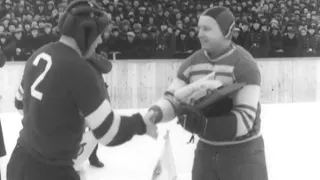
x=40, y=9
x=137, y=29
x=113, y=43
x=4, y=24
x=129, y=50
x=144, y=44
x=124, y=27
x=193, y=42
x=26, y=28
x=47, y=35
x=179, y=24
x=304, y=47
x=4, y=44
x=290, y=43
x=54, y=18
x=20, y=44
x=28, y=16
x=16, y=45
x=117, y=20
x=275, y=42
x=236, y=36
x=166, y=43
x=35, y=39
x=258, y=41
x=19, y=11
x=181, y=45
x=244, y=34
x=50, y=7
x=312, y=42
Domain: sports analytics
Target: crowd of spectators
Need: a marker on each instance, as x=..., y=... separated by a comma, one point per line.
x=166, y=29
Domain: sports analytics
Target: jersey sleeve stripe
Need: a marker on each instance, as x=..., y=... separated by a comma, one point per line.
x=96, y=118
x=244, y=119
x=19, y=96
x=226, y=74
x=247, y=107
x=112, y=131
x=242, y=125
x=21, y=89
x=100, y=131
x=251, y=115
x=199, y=72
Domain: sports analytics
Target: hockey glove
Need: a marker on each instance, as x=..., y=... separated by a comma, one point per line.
x=192, y=119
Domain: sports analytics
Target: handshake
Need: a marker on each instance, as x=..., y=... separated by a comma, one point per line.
x=151, y=127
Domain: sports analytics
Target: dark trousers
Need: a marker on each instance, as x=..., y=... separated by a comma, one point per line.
x=22, y=166
x=93, y=155
x=235, y=162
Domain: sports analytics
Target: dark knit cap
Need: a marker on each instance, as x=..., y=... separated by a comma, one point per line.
x=224, y=18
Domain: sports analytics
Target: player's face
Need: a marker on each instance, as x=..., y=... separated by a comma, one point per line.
x=210, y=34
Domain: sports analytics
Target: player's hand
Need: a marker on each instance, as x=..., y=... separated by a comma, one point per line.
x=192, y=119
x=151, y=128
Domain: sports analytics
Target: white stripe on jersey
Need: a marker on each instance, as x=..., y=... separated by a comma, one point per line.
x=21, y=89
x=19, y=96
x=241, y=127
x=96, y=118
x=113, y=130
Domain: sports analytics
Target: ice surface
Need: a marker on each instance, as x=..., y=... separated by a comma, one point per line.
x=291, y=133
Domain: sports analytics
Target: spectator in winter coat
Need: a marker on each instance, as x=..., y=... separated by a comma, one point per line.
x=193, y=42
x=275, y=46
x=181, y=42
x=144, y=45
x=306, y=46
x=236, y=36
x=35, y=38
x=290, y=43
x=244, y=35
x=18, y=46
x=258, y=41
x=312, y=38
x=47, y=35
x=4, y=45
x=130, y=48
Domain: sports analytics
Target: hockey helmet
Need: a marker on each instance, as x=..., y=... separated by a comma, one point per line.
x=84, y=21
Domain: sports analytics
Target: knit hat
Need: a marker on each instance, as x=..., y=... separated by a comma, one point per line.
x=224, y=18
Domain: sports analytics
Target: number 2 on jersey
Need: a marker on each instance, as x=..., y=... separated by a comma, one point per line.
x=46, y=57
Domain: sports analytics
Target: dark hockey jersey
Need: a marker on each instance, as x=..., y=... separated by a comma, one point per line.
x=62, y=93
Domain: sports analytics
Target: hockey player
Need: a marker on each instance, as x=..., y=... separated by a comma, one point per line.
x=230, y=145
x=63, y=93
x=102, y=65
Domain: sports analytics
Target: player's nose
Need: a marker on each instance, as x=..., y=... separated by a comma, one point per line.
x=200, y=33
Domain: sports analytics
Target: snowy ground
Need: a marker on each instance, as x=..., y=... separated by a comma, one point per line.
x=291, y=132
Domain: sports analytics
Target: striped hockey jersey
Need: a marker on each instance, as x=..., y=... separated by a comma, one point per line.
x=232, y=120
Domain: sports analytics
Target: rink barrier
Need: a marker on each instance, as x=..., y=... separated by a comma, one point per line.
x=139, y=83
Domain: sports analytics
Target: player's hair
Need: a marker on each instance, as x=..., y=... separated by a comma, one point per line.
x=224, y=18
x=84, y=21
